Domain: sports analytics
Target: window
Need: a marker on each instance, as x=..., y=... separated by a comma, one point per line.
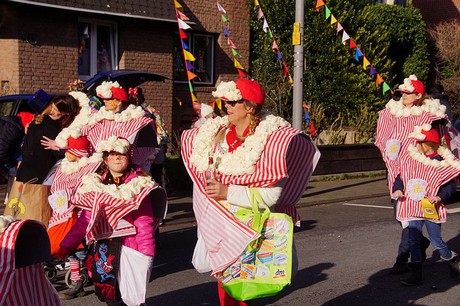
x=97, y=51
x=202, y=47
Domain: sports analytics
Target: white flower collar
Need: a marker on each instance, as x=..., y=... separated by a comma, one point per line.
x=92, y=183
x=74, y=129
x=449, y=158
x=432, y=106
x=244, y=158
x=131, y=112
x=68, y=167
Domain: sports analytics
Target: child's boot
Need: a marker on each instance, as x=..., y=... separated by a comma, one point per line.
x=75, y=290
x=415, y=277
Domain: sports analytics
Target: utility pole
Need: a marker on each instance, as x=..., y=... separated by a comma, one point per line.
x=297, y=41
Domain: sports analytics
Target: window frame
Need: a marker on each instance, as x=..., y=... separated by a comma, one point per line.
x=191, y=44
x=94, y=23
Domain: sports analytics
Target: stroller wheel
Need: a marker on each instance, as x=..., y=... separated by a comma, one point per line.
x=84, y=276
x=50, y=272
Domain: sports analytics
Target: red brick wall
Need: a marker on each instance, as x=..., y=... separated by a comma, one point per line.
x=9, y=51
x=436, y=11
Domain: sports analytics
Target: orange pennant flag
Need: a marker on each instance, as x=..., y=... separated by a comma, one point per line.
x=319, y=4
x=191, y=75
x=378, y=80
x=366, y=63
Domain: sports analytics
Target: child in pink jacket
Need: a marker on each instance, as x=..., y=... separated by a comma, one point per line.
x=108, y=272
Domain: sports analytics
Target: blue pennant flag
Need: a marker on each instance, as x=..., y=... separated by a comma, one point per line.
x=358, y=54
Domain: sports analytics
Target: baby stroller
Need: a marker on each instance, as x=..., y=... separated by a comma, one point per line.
x=24, y=248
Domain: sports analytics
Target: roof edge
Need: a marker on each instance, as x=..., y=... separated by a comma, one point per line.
x=91, y=11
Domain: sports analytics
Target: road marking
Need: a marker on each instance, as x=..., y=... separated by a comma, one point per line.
x=366, y=205
x=450, y=211
x=453, y=210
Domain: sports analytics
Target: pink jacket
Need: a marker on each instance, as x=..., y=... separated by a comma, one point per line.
x=142, y=218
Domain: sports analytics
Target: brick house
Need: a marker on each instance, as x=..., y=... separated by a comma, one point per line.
x=49, y=43
x=436, y=11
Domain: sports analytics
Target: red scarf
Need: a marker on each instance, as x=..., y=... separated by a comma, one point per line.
x=232, y=139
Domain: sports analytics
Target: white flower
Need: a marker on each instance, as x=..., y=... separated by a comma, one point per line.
x=244, y=158
x=113, y=143
x=228, y=91
x=92, y=183
x=398, y=109
x=103, y=90
x=68, y=167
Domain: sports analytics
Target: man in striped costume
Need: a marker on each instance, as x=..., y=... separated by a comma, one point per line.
x=227, y=156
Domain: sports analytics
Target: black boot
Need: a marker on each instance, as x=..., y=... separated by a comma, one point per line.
x=425, y=243
x=399, y=268
x=415, y=277
x=75, y=290
x=454, y=267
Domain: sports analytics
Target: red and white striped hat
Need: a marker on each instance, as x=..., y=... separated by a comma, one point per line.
x=78, y=147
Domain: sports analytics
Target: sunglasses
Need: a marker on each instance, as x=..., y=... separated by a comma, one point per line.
x=233, y=103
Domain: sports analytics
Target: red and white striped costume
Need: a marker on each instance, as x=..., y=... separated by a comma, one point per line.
x=25, y=285
x=68, y=183
x=428, y=179
x=392, y=137
x=288, y=154
x=106, y=211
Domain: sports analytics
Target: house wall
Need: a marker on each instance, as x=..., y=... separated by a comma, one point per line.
x=39, y=50
x=436, y=11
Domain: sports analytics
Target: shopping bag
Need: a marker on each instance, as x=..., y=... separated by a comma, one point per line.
x=134, y=275
x=29, y=201
x=265, y=267
x=429, y=209
x=58, y=232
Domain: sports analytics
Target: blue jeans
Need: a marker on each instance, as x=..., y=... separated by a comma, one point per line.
x=434, y=232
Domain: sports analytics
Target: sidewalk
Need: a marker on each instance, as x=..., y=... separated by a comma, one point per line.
x=318, y=192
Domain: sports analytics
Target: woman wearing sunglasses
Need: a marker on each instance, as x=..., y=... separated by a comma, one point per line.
x=226, y=158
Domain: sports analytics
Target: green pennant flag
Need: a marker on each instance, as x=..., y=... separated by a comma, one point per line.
x=190, y=86
x=235, y=53
x=270, y=34
x=328, y=12
x=385, y=87
x=224, y=18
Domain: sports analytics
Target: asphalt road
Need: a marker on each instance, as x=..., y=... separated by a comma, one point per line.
x=345, y=251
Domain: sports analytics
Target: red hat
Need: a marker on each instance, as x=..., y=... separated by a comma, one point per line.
x=119, y=93
x=412, y=84
x=78, y=147
x=251, y=90
x=430, y=135
x=26, y=118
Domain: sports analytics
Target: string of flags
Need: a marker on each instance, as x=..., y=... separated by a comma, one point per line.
x=275, y=48
x=188, y=56
x=379, y=81
x=226, y=22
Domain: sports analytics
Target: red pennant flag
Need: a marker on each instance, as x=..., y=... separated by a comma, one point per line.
x=182, y=34
x=242, y=73
x=285, y=69
x=352, y=44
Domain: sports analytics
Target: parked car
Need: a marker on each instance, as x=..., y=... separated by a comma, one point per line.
x=13, y=104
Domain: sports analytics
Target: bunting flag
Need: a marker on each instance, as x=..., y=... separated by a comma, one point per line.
x=319, y=4
x=219, y=103
x=178, y=101
x=241, y=71
x=187, y=56
x=374, y=75
x=275, y=48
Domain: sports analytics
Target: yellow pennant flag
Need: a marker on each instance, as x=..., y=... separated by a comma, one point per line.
x=256, y=3
x=365, y=63
x=177, y=5
x=291, y=81
x=237, y=64
x=333, y=20
x=219, y=103
x=194, y=98
x=189, y=56
x=178, y=101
